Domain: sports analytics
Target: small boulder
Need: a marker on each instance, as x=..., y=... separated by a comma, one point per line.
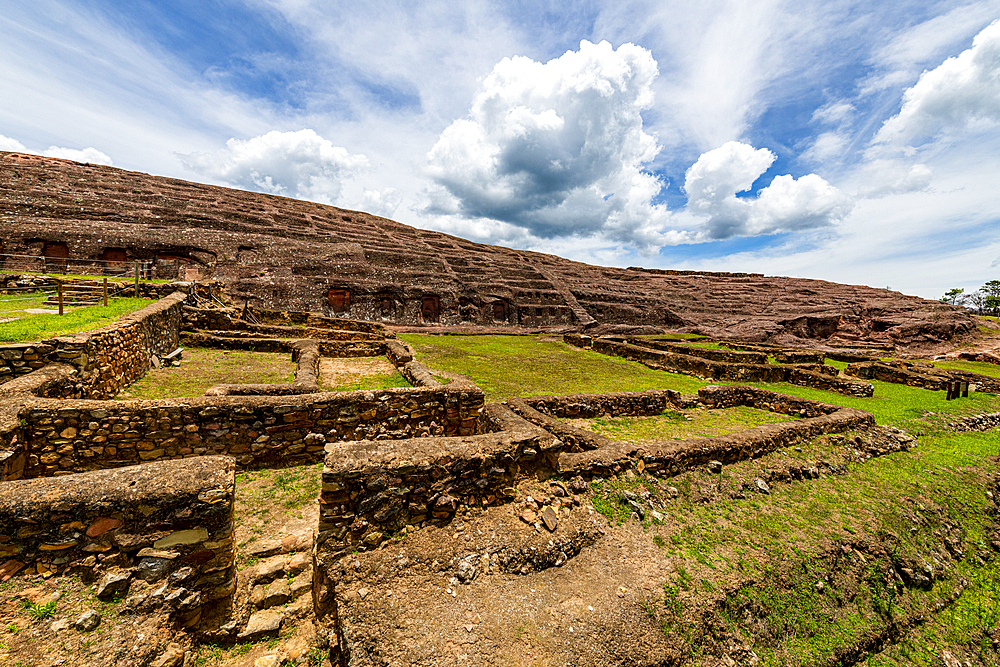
x=715, y=467
x=761, y=486
x=269, y=569
x=112, y=584
x=88, y=621
x=550, y=519
x=275, y=593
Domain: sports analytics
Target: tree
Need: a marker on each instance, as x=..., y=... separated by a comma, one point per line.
x=955, y=296
x=991, y=297
x=977, y=302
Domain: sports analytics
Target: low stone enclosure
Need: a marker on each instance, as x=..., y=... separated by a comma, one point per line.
x=74, y=500
x=749, y=363
x=722, y=364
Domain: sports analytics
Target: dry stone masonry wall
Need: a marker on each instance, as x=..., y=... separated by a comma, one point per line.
x=169, y=522
x=373, y=489
x=725, y=370
x=259, y=431
x=936, y=379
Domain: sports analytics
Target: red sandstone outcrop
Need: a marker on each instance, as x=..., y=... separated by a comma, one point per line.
x=304, y=256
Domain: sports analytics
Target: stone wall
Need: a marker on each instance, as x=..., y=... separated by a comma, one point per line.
x=670, y=457
x=109, y=358
x=734, y=372
x=328, y=348
x=295, y=318
x=730, y=356
x=170, y=521
x=290, y=325
x=371, y=488
x=578, y=340
x=18, y=359
x=799, y=357
x=260, y=431
x=631, y=403
x=935, y=379
x=983, y=422
x=115, y=356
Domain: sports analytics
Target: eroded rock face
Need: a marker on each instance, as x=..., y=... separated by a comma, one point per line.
x=299, y=255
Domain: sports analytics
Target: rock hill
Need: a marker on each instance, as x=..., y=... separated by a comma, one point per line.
x=297, y=255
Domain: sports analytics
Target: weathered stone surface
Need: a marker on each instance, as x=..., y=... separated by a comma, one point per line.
x=113, y=583
x=88, y=621
x=261, y=623
x=172, y=657
x=422, y=276
x=129, y=509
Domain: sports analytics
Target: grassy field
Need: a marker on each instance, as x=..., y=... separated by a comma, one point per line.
x=750, y=565
x=980, y=367
x=359, y=373
x=37, y=327
x=202, y=368
x=15, y=304
x=674, y=424
x=509, y=366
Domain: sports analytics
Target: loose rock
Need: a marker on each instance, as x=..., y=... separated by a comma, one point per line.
x=112, y=584
x=89, y=621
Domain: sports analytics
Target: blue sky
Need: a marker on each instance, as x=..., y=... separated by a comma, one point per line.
x=848, y=141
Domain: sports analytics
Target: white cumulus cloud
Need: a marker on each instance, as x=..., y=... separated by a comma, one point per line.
x=787, y=204
x=89, y=154
x=557, y=148
x=882, y=177
x=299, y=164
x=963, y=91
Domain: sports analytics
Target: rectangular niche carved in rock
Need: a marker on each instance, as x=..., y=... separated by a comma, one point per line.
x=430, y=309
x=56, y=256
x=339, y=300
x=499, y=311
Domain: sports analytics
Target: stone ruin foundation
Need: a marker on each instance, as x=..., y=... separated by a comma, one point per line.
x=123, y=490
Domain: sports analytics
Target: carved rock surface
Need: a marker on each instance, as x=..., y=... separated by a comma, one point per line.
x=297, y=255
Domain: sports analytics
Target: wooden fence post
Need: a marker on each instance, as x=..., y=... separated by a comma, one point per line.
x=137, y=279
x=60, y=299
x=105, y=290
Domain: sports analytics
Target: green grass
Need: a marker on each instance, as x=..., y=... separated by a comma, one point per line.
x=37, y=327
x=380, y=381
x=202, y=368
x=20, y=301
x=673, y=424
x=761, y=555
x=992, y=370
x=897, y=404
x=509, y=366
x=116, y=280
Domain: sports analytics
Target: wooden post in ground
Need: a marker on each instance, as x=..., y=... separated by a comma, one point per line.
x=105, y=290
x=137, y=279
x=60, y=299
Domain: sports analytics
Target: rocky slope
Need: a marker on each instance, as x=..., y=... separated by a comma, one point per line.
x=300, y=255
